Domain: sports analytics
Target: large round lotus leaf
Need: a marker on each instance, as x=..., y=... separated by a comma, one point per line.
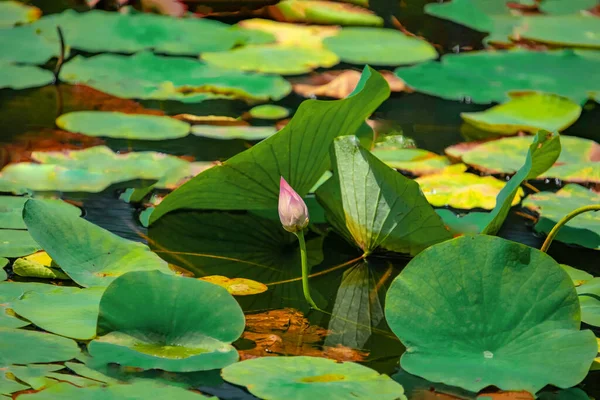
x=32, y=47
x=578, y=30
x=273, y=58
x=269, y=111
x=486, y=77
x=65, y=311
x=119, y=125
x=291, y=34
x=233, y=132
x=19, y=346
x=11, y=210
x=463, y=190
x=415, y=161
x=151, y=320
x=480, y=310
x=307, y=378
x=141, y=390
x=566, y=7
x=38, y=265
x=23, y=76
x=147, y=76
x=530, y=113
x=101, y=31
x=583, y=230
x=16, y=243
x=377, y=46
x=15, y=12
x=327, y=13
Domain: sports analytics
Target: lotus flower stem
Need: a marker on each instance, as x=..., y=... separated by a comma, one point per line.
x=563, y=221
x=305, y=271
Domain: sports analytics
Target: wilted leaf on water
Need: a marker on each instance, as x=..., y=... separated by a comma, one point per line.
x=33, y=48
x=294, y=35
x=126, y=126
x=338, y=84
x=526, y=112
x=324, y=12
x=11, y=210
x=415, y=161
x=578, y=30
x=272, y=58
x=559, y=7
x=23, y=76
x=236, y=286
x=378, y=46
x=38, y=265
x=583, y=230
x=15, y=12
x=147, y=76
x=233, y=132
x=463, y=190
x=269, y=111
x=488, y=76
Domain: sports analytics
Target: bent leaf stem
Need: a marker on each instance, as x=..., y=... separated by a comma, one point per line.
x=304, y=262
x=563, y=221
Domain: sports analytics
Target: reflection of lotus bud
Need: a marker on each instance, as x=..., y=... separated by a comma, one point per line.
x=292, y=209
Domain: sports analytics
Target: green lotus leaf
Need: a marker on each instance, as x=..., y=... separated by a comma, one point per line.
x=480, y=310
x=415, y=161
x=19, y=77
x=304, y=378
x=17, y=243
x=589, y=300
x=233, y=132
x=3, y=276
x=486, y=77
x=147, y=76
x=90, y=255
x=15, y=12
x=463, y=190
x=530, y=113
x=65, y=311
x=32, y=47
x=33, y=375
x=578, y=30
x=273, y=59
x=298, y=153
x=20, y=346
x=137, y=390
x=327, y=13
x=269, y=111
x=119, y=125
x=578, y=276
x=99, y=31
x=11, y=292
x=11, y=210
x=151, y=320
x=559, y=7
x=377, y=46
x=375, y=207
x=38, y=265
x=583, y=230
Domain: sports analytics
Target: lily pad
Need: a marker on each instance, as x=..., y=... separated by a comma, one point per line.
x=37, y=265
x=11, y=210
x=269, y=111
x=90, y=255
x=486, y=77
x=288, y=34
x=147, y=76
x=374, y=207
x=583, y=230
x=298, y=153
x=530, y=113
x=33, y=48
x=3, y=263
x=517, y=329
x=415, y=161
x=19, y=77
x=559, y=7
x=11, y=292
x=15, y=12
x=305, y=378
x=20, y=346
x=272, y=58
x=119, y=125
x=578, y=30
x=377, y=46
x=236, y=286
x=463, y=190
x=233, y=132
x=17, y=243
x=327, y=13
x=150, y=320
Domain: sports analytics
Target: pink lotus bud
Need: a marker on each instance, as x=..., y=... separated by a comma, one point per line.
x=292, y=209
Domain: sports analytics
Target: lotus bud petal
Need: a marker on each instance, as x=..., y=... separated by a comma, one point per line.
x=292, y=209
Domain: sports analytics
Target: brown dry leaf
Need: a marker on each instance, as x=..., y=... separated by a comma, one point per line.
x=236, y=286
x=502, y=395
x=287, y=332
x=338, y=84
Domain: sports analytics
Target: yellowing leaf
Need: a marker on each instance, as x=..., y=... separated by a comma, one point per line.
x=292, y=34
x=236, y=286
x=37, y=265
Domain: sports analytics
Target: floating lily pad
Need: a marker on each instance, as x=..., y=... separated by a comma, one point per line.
x=583, y=230
x=90, y=255
x=291, y=34
x=11, y=292
x=327, y=13
x=147, y=76
x=377, y=46
x=23, y=76
x=119, y=125
x=578, y=30
x=269, y=111
x=486, y=77
x=33, y=375
x=150, y=320
x=99, y=31
x=502, y=332
x=463, y=190
x=530, y=113
x=304, y=378
x=37, y=265
x=236, y=286
x=273, y=58
x=589, y=300
x=559, y=7
x=415, y=161
x=32, y=47
x=16, y=243
x=3, y=276
x=11, y=210
x=233, y=132
x=23, y=347
x=578, y=276
x=66, y=311
x=15, y=12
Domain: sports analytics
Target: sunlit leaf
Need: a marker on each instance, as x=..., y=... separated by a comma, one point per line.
x=291, y=34
x=415, y=161
x=326, y=13
x=236, y=286
x=578, y=276
x=37, y=265
x=269, y=111
x=233, y=132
